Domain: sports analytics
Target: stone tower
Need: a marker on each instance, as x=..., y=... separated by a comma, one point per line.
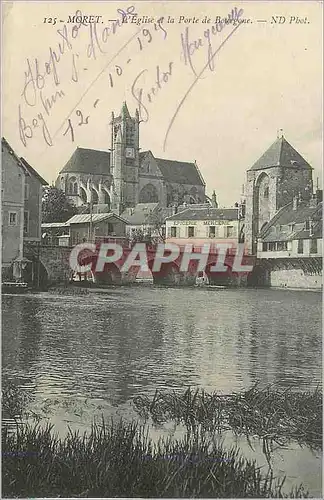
x=272, y=182
x=124, y=159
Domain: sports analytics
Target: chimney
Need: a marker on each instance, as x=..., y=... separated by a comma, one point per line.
x=316, y=198
x=295, y=202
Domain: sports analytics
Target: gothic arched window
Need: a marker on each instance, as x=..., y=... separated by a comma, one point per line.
x=107, y=199
x=72, y=186
x=149, y=194
x=94, y=196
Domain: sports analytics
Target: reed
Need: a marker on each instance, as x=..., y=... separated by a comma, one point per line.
x=273, y=415
x=116, y=459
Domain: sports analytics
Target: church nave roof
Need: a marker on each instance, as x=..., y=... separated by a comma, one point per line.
x=88, y=161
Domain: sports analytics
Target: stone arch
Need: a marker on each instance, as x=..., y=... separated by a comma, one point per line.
x=36, y=274
x=219, y=278
x=262, y=199
x=43, y=276
x=259, y=276
x=109, y=276
x=148, y=194
x=169, y=274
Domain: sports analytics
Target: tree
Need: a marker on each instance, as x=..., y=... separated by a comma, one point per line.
x=55, y=206
x=156, y=221
x=140, y=236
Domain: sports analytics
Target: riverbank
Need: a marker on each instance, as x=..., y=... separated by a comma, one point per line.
x=119, y=460
x=272, y=415
x=116, y=458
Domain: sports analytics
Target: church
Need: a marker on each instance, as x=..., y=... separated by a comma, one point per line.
x=124, y=176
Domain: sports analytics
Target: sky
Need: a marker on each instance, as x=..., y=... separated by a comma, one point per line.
x=208, y=92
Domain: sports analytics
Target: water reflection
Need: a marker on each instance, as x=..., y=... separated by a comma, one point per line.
x=83, y=356
x=113, y=346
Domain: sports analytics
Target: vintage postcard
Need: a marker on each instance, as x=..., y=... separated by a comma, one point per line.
x=162, y=249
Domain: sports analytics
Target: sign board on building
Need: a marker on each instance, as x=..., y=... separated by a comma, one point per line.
x=184, y=222
x=217, y=222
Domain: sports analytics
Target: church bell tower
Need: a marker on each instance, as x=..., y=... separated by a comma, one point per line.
x=124, y=159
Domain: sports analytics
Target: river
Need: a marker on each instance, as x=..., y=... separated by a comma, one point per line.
x=81, y=356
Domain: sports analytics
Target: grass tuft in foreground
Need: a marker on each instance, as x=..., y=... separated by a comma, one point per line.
x=119, y=459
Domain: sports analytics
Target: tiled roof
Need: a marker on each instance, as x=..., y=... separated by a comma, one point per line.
x=287, y=216
x=280, y=153
x=33, y=172
x=138, y=215
x=55, y=224
x=180, y=172
x=28, y=169
x=5, y=143
x=88, y=161
x=92, y=161
x=142, y=155
x=85, y=218
x=207, y=214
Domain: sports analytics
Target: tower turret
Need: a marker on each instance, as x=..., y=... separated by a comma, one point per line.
x=125, y=159
x=214, y=200
x=272, y=182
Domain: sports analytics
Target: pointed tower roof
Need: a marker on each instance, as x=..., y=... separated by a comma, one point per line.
x=282, y=154
x=124, y=111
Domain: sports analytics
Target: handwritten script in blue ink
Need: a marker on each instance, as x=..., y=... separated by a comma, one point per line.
x=190, y=46
x=144, y=98
x=142, y=39
x=39, y=74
